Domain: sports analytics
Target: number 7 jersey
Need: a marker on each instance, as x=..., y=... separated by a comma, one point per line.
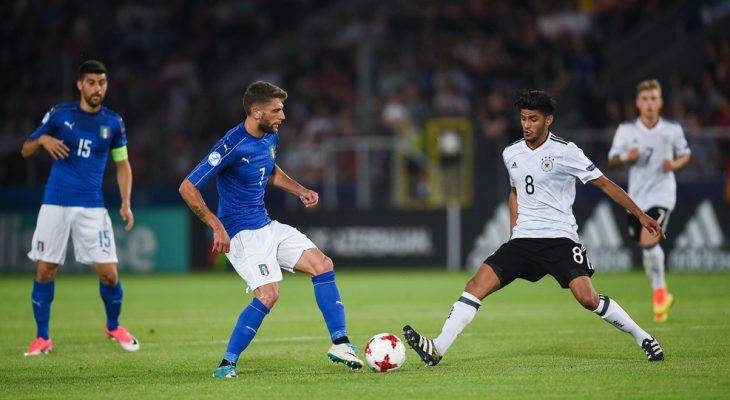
x=544, y=179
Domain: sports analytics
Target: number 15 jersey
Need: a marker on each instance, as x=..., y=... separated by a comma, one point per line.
x=544, y=179
x=75, y=181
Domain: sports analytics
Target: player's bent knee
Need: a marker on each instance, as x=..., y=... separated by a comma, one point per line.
x=268, y=295
x=46, y=272
x=326, y=265
x=322, y=266
x=588, y=301
x=484, y=282
x=109, y=279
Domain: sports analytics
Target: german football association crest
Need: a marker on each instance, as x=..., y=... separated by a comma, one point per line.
x=104, y=132
x=264, y=269
x=547, y=163
x=272, y=152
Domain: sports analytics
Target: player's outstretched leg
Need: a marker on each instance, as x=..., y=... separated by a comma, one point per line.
x=248, y=323
x=653, y=258
x=112, y=294
x=610, y=311
x=321, y=268
x=44, y=288
x=484, y=282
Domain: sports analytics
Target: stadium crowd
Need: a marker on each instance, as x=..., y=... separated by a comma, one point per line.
x=177, y=73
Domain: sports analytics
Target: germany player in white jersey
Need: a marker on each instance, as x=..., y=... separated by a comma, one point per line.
x=653, y=148
x=542, y=169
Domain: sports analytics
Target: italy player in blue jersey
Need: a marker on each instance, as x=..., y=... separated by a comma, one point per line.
x=79, y=136
x=243, y=163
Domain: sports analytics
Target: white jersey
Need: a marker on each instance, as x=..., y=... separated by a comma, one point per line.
x=544, y=179
x=649, y=185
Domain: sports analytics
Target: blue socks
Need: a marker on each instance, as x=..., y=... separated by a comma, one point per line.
x=112, y=296
x=42, y=296
x=330, y=304
x=248, y=323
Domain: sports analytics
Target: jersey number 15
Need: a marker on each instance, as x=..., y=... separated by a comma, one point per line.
x=84, y=148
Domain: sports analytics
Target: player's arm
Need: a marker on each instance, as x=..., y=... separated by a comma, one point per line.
x=681, y=151
x=676, y=164
x=618, y=195
x=512, y=209
x=625, y=159
x=194, y=200
x=281, y=180
x=124, y=180
x=42, y=137
x=620, y=154
x=53, y=146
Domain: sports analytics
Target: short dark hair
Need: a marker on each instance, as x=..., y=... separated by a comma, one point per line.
x=261, y=92
x=536, y=100
x=90, y=67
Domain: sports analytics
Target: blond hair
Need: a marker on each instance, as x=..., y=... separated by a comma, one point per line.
x=649, y=84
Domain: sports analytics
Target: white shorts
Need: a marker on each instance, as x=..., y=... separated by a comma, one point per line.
x=259, y=255
x=90, y=229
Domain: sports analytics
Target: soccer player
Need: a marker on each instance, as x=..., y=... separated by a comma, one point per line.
x=244, y=162
x=542, y=169
x=653, y=148
x=79, y=136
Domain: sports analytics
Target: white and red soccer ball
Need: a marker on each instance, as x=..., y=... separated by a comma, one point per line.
x=384, y=352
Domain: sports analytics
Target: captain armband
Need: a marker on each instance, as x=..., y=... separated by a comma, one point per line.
x=119, y=154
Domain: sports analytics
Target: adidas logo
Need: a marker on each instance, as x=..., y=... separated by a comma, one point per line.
x=514, y=164
x=602, y=237
x=701, y=242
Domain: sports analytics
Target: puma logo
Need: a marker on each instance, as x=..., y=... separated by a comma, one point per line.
x=69, y=124
x=246, y=160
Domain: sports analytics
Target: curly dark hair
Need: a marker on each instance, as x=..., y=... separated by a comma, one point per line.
x=536, y=100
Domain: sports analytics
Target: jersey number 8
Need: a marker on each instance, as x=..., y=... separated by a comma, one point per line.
x=579, y=256
x=529, y=187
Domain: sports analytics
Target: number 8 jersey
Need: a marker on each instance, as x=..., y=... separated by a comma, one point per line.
x=544, y=179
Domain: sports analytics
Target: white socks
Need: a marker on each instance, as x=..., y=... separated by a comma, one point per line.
x=462, y=312
x=612, y=313
x=654, y=266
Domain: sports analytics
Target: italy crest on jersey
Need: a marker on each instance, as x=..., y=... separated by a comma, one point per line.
x=547, y=163
x=272, y=152
x=104, y=132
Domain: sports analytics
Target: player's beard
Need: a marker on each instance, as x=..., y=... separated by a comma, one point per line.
x=538, y=137
x=94, y=100
x=266, y=127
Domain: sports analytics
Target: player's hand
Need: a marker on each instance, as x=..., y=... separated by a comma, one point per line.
x=633, y=155
x=126, y=212
x=221, y=241
x=651, y=225
x=309, y=198
x=54, y=147
x=667, y=165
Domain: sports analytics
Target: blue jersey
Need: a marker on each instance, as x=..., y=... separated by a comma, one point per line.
x=242, y=164
x=75, y=181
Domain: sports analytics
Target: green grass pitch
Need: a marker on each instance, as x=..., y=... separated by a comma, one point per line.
x=527, y=341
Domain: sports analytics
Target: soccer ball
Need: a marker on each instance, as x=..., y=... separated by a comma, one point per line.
x=385, y=352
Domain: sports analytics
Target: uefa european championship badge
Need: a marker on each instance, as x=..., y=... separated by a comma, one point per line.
x=214, y=158
x=104, y=132
x=272, y=152
x=547, y=163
